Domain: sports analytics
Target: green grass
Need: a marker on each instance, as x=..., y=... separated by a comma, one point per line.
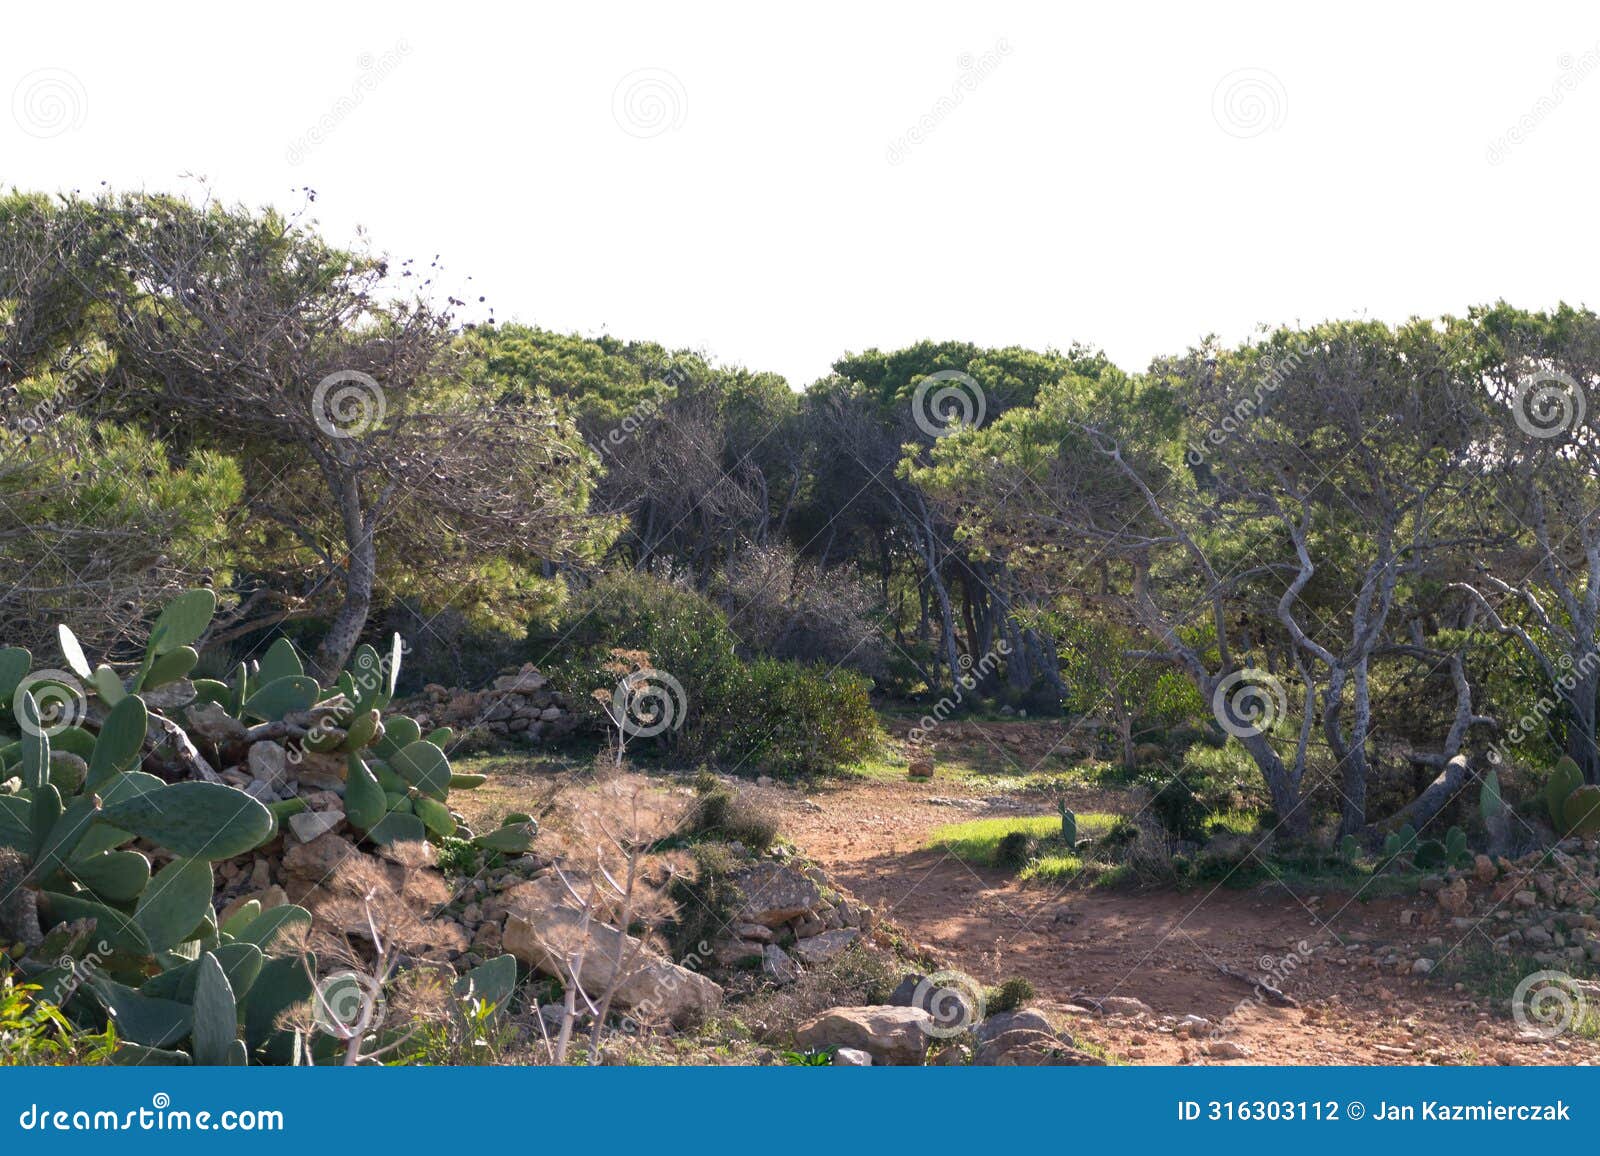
x=976, y=841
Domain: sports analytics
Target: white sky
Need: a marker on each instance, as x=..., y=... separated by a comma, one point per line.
x=1084, y=189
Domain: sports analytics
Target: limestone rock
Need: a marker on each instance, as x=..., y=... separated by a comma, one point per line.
x=309, y=825
x=823, y=947
x=774, y=894
x=891, y=1035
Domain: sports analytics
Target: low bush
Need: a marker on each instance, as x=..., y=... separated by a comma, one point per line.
x=1009, y=995
x=731, y=817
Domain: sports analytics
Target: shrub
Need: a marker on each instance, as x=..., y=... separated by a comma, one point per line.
x=706, y=901
x=1180, y=813
x=1013, y=851
x=730, y=817
x=782, y=606
x=781, y=718
x=1008, y=996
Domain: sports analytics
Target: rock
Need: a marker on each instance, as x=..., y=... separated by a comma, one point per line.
x=1022, y=1048
x=309, y=825
x=778, y=965
x=1484, y=870
x=954, y=1056
x=1121, y=1005
x=1227, y=1050
x=260, y=791
x=546, y=935
x=269, y=764
x=1024, y=1020
x=321, y=772
x=1421, y=966
x=208, y=721
x=891, y=1035
x=307, y=865
x=821, y=948
x=806, y=926
x=268, y=897
x=525, y=681
x=774, y=894
x=951, y=1008
x=754, y=931
x=851, y=1058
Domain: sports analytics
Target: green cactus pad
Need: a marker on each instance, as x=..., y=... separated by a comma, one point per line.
x=16, y=824
x=196, y=820
x=170, y=667
x=425, y=767
x=140, y=1018
x=15, y=663
x=216, y=1014
x=494, y=981
x=175, y=903
x=364, y=802
x=72, y=651
x=463, y=781
x=183, y=621
x=121, y=739
x=1582, y=812
x=283, y=696
x=396, y=827
x=139, y=1056
x=280, y=661
x=108, y=686
x=1565, y=777
x=241, y=963
x=512, y=840
x=119, y=932
x=434, y=815
x=274, y=927
x=113, y=876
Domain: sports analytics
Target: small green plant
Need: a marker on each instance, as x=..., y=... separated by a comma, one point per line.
x=1013, y=851
x=1009, y=995
x=1069, y=825
x=811, y=1058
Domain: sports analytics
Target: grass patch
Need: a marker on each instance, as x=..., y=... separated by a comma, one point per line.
x=978, y=841
x=1495, y=975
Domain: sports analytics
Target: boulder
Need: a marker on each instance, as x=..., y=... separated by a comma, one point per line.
x=776, y=963
x=823, y=947
x=1022, y=1048
x=309, y=825
x=269, y=764
x=774, y=894
x=307, y=865
x=890, y=1035
x=851, y=1058
x=208, y=721
x=1024, y=1020
x=547, y=935
x=950, y=1007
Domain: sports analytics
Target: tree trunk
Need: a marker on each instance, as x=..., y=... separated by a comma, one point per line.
x=360, y=573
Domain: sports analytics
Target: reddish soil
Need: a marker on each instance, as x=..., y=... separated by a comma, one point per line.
x=1162, y=947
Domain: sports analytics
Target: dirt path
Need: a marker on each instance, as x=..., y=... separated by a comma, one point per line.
x=1161, y=947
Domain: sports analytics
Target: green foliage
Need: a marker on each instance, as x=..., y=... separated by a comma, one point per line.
x=1009, y=995
x=731, y=817
x=1013, y=851
x=768, y=716
x=1565, y=777
x=1581, y=812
